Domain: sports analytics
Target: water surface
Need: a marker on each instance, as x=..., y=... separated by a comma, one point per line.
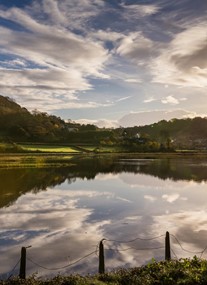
x=63, y=213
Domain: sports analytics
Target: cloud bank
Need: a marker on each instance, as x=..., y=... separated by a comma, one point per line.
x=71, y=55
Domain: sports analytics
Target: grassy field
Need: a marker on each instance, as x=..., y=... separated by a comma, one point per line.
x=101, y=149
x=45, y=155
x=32, y=148
x=34, y=160
x=48, y=148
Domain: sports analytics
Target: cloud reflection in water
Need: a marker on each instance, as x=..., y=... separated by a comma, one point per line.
x=66, y=222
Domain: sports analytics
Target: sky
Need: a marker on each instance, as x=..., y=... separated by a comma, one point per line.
x=111, y=63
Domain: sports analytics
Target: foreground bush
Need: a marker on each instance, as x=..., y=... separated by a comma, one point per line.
x=182, y=272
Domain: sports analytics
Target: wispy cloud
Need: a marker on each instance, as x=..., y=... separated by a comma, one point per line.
x=183, y=61
x=149, y=100
x=66, y=59
x=123, y=98
x=136, y=47
x=150, y=198
x=139, y=10
x=133, y=80
x=54, y=52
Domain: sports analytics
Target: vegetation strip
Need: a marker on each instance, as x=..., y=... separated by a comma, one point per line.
x=174, y=272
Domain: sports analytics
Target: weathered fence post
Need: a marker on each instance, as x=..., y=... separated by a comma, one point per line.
x=22, y=270
x=167, y=247
x=101, y=268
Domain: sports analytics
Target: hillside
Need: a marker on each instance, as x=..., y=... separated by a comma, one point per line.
x=8, y=106
x=17, y=124
x=179, y=133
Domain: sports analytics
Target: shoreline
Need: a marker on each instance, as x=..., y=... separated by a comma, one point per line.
x=61, y=159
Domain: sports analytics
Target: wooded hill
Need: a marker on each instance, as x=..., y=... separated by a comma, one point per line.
x=179, y=133
x=17, y=124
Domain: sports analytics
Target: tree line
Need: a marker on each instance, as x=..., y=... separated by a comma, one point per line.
x=17, y=124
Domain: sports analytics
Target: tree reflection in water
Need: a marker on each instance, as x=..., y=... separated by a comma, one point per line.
x=15, y=182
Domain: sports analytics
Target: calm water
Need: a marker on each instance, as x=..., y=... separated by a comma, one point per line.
x=63, y=213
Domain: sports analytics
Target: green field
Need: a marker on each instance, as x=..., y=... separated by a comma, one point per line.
x=44, y=148
x=101, y=149
x=46, y=155
x=48, y=148
x=34, y=160
x=14, y=155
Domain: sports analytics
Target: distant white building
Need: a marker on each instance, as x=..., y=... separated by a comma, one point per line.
x=137, y=136
x=72, y=130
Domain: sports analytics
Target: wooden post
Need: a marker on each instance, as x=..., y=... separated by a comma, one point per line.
x=22, y=270
x=101, y=268
x=167, y=246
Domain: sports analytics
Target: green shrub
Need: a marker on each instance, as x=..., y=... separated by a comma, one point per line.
x=174, y=272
